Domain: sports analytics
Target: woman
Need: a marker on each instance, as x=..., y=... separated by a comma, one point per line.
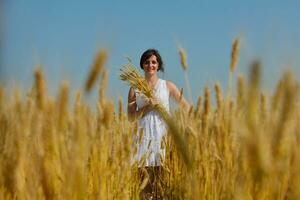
x=151, y=127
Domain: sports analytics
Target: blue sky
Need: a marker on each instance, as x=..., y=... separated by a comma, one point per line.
x=64, y=37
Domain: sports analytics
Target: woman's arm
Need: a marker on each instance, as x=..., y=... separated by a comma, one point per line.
x=175, y=94
x=132, y=111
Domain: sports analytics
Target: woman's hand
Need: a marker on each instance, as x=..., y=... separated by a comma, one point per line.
x=133, y=112
x=153, y=102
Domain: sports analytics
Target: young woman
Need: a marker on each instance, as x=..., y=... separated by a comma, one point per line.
x=151, y=127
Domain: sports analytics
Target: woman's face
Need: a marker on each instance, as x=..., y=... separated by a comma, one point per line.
x=150, y=66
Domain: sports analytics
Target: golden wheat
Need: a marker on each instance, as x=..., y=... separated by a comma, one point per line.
x=244, y=147
x=96, y=69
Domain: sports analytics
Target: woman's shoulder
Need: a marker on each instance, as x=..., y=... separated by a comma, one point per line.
x=170, y=84
x=132, y=91
x=165, y=81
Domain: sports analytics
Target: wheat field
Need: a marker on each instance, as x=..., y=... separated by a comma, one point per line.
x=245, y=146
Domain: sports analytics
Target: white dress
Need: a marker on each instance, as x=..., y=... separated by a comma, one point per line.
x=151, y=129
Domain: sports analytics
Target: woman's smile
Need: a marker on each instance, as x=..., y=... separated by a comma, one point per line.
x=150, y=69
x=151, y=64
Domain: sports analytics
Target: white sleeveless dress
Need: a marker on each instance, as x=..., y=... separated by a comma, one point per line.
x=151, y=129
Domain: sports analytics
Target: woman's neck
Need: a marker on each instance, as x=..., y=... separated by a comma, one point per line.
x=151, y=80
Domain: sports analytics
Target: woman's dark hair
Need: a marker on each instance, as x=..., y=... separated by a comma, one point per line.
x=147, y=54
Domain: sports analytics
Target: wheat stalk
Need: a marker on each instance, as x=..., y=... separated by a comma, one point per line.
x=184, y=65
x=96, y=69
x=233, y=63
x=40, y=87
x=234, y=54
x=183, y=58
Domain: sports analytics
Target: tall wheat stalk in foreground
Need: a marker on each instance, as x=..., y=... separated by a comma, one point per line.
x=184, y=66
x=96, y=69
x=235, y=51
